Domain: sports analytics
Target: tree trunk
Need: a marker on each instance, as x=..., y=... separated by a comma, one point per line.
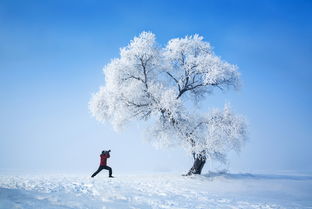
x=199, y=162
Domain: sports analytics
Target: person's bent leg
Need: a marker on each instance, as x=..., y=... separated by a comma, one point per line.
x=98, y=171
x=109, y=169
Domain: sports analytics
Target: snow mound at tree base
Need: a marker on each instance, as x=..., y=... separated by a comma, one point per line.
x=213, y=190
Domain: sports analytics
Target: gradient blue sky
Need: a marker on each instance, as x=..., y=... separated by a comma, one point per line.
x=51, y=59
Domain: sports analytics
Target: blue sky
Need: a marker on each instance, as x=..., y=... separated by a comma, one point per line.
x=51, y=59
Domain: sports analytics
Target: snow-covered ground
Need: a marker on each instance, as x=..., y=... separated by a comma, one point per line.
x=214, y=190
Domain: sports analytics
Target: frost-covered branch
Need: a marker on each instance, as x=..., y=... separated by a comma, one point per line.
x=195, y=66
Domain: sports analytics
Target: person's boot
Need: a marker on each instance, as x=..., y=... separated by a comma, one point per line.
x=111, y=176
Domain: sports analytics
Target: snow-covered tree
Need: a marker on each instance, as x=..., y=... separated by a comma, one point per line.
x=157, y=84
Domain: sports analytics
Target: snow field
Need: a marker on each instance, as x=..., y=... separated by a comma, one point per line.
x=214, y=190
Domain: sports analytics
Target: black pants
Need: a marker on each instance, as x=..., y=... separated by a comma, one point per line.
x=101, y=168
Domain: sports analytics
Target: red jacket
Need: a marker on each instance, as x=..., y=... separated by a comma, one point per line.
x=104, y=158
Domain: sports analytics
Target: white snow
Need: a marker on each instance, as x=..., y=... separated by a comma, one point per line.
x=213, y=190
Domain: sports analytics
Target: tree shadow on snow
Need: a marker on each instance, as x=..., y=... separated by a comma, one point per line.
x=225, y=174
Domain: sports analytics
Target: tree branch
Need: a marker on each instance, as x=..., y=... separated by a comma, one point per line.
x=137, y=105
x=190, y=88
x=177, y=82
x=134, y=77
x=143, y=64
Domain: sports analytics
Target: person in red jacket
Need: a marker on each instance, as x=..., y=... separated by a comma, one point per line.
x=103, y=164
